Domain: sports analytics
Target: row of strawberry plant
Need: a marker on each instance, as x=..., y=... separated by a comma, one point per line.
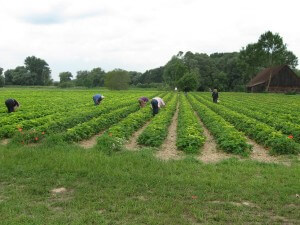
x=98, y=124
x=157, y=130
x=64, y=120
x=269, y=105
x=37, y=110
x=260, y=132
x=227, y=137
x=133, y=122
x=189, y=131
x=288, y=128
x=85, y=115
x=91, y=127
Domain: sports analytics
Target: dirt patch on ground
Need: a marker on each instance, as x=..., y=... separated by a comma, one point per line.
x=169, y=148
x=58, y=196
x=209, y=153
x=261, y=154
x=4, y=141
x=132, y=143
x=89, y=143
x=244, y=203
x=58, y=190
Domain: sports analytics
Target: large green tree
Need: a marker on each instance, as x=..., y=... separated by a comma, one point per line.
x=117, y=79
x=174, y=70
x=65, y=77
x=97, y=77
x=82, y=78
x=274, y=52
x=205, y=66
x=2, y=79
x=93, y=78
x=152, y=76
x=189, y=81
x=40, y=70
x=19, y=76
x=135, y=77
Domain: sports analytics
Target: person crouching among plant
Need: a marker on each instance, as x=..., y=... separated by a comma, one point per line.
x=143, y=101
x=156, y=104
x=11, y=105
x=98, y=98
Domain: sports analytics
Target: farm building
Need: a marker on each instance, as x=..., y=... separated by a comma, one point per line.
x=275, y=79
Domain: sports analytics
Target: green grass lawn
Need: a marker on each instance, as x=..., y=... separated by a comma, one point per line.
x=136, y=188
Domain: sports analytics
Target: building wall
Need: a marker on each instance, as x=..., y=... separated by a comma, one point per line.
x=285, y=78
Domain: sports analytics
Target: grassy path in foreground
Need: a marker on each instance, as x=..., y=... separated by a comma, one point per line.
x=136, y=188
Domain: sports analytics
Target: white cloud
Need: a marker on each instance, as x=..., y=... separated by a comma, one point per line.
x=135, y=34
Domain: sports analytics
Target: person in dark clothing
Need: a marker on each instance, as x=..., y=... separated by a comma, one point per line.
x=97, y=99
x=11, y=104
x=155, y=108
x=186, y=90
x=215, y=95
x=143, y=101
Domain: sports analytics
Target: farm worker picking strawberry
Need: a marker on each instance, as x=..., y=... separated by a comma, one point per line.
x=11, y=105
x=156, y=104
x=143, y=101
x=215, y=95
x=98, y=98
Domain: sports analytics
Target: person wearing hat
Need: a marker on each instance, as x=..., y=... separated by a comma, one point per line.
x=11, y=104
x=98, y=98
x=215, y=95
x=143, y=101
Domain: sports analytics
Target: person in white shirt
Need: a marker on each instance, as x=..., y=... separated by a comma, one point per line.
x=156, y=104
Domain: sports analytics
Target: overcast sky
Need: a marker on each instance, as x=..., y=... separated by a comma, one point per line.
x=136, y=34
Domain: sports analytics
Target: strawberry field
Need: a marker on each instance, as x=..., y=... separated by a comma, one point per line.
x=272, y=121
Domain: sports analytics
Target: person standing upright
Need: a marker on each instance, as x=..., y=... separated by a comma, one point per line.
x=215, y=95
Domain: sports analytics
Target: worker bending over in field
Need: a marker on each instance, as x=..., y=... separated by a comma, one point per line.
x=143, y=101
x=215, y=95
x=97, y=99
x=11, y=105
x=156, y=104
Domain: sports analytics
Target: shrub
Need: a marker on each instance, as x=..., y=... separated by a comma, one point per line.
x=109, y=144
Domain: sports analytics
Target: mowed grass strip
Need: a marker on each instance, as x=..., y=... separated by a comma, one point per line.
x=68, y=185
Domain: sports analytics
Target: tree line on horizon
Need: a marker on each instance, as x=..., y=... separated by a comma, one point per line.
x=187, y=71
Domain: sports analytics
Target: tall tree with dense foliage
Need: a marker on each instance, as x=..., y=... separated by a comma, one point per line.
x=274, y=52
x=117, y=79
x=93, y=78
x=189, y=81
x=205, y=66
x=152, y=76
x=19, y=76
x=97, y=76
x=65, y=77
x=2, y=79
x=82, y=79
x=174, y=70
x=135, y=77
x=39, y=69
